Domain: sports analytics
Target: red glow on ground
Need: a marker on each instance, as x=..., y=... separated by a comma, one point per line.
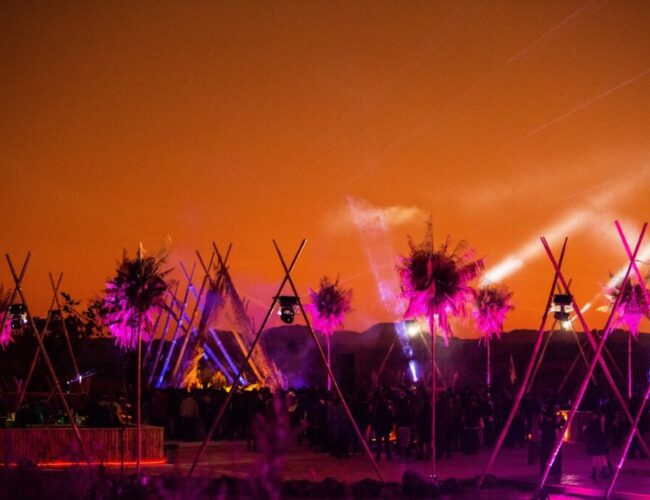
x=63, y=464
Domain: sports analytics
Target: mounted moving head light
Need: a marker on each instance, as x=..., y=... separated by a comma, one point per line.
x=18, y=314
x=288, y=304
x=562, y=306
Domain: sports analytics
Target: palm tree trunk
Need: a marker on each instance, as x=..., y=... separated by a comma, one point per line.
x=489, y=370
x=329, y=362
x=138, y=408
x=432, y=327
x=629, y=365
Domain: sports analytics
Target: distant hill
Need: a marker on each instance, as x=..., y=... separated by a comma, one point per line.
x=355, y=356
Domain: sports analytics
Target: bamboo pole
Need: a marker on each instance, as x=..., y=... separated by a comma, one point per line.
x=646, y=297
x=344, y=403
x=181, y=353
x=628, y=442
x=568, y=373
x=156, y=323
x=594, y=344
x=263, y=370
x=385, y=360
x=163, y=335
x=629, y=365
x=527, y=375
x=329, y=362
x=235, y=384
x=32, y=366
x=489, y=373
x=236, y=336
x=64, y=326
x=46, y=357
x=541, y=357
x=596, y=358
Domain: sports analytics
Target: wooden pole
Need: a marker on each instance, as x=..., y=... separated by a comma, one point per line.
x=163, y=336
x=236, y=381
x=594, y=344
x=629, y=365
x=329, y=362
x=46, y=358
x=527, y=375
x=385, y=360
x=628, y=442
x=37, y=353
x=360, y=436
x=489, y=373
x=541, y=357
x=179, y=359
x=64, y=326
x=569, y=372
x=596, y=359
x=238, y=338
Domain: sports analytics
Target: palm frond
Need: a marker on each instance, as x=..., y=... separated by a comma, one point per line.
x=329, y=305
x=492, y=304
x=132, y=296
x=632, y=306
x=436, y=283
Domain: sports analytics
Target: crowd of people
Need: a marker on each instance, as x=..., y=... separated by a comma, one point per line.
x=396, y=422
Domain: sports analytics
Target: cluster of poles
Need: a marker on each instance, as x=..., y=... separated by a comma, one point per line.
x=159, y=364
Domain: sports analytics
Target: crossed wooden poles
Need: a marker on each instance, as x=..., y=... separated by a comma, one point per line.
x=596, y=358
x=185, y=320
x=597, y=347
x=18, y=280
x=287, y=279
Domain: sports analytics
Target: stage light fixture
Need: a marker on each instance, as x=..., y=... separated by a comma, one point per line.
x=412, y=328
x=562, y=306
x=18, y=314
x=288, y=304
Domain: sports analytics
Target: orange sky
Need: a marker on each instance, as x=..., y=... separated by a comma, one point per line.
x=247, y=121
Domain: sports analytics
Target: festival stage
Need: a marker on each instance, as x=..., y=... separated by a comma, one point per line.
x=56, y=445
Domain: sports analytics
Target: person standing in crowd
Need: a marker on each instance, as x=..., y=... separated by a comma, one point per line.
x=597, y=445
x=383, y=420
x=189, y=414
x=403, y=416
x=550, y=426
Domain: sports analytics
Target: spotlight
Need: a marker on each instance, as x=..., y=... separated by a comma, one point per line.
x=414, y=370
x=566, y=325
x=288, y=304
x=562, y=306
x=412, y=328
x=18, y=315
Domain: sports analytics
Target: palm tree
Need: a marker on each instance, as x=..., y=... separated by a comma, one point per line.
x=491, y=305
x=436, y=283
x=632, y=308
x=328, y=308
x=131, y=299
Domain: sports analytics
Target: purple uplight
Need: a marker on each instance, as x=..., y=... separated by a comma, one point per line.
x=329, y=306
x=492, y=304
